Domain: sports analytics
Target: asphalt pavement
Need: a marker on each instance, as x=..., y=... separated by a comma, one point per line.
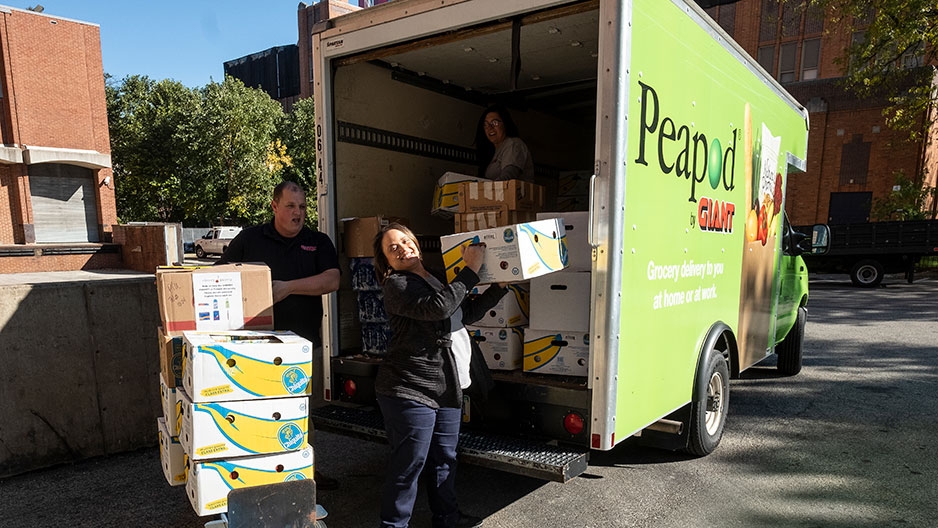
x=849, y=442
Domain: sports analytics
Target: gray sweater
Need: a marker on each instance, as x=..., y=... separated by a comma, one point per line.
x=420, y=364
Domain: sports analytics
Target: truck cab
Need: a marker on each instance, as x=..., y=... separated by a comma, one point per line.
x=215, y=241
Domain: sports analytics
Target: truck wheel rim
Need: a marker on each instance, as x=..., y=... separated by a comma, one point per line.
x=866, y=274
x=715, y=395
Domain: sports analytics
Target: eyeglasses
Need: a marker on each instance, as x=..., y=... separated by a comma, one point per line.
x=492, y=124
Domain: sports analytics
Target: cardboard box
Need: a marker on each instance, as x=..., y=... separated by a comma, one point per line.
x=244, y=365
x=360, y=233
x=489, y=219
x=513, y=253
x=574, y=183
x=243, y=428
x=446, y=193
x=170, y=357
x=576, y=238
x=210, y=481
x=578, y=202
x=171, y=398
x=486, y=195
x=502, y=347
x=225, y=297
x=172, y=455
x=561, y=301
x=555, y=352
x=511, y=310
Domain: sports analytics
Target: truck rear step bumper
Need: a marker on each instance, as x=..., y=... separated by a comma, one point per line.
x=504, y=453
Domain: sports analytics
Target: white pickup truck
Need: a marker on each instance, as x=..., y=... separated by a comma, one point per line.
x=215, y=242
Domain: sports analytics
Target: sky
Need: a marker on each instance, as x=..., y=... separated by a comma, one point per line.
x=187, y=41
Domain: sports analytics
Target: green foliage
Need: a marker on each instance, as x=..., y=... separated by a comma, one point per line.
x=298, y=131
x=892, y=36
x=907, y=203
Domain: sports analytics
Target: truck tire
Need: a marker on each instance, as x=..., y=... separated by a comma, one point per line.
x=199, y=252
x=867, y=273
x=789, y=351
x=710, y=406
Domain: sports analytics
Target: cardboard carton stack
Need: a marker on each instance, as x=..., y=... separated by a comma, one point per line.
x=359, y=247
x=234, y=401
x=485, y=204
x=500, y=334
x=446, y=194
x=573, y=190
x=557, y=338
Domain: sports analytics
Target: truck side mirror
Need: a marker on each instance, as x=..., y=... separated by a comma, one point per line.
x=820, y=239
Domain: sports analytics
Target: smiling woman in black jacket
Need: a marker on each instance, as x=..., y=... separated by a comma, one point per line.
x=419, y=385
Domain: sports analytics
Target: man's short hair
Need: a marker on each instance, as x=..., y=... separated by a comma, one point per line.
x=286, y=185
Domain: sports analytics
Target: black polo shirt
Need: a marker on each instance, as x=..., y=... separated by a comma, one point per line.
x=308, y=253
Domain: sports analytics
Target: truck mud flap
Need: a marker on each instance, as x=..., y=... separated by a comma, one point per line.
x=558, y=463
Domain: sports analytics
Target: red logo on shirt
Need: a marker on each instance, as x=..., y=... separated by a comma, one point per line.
x=307, y=248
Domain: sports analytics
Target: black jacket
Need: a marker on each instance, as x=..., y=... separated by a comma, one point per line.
x=420, y=365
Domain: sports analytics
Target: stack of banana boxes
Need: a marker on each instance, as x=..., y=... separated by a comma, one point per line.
x=237, y=413
x=545, y=259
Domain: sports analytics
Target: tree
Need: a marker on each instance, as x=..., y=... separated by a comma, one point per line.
x=151, y=169
x=907, y=202
x=893, y=36
x=298, y=132
x=231, y=135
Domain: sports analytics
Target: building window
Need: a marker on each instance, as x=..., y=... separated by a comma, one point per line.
x=767, y=58
x=854, y=161
x=791, y=18
x=725, y=16
x=813, y=19
x=768, y=26
x=786, y=61
x=810, y=58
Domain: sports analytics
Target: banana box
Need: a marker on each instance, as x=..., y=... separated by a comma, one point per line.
x=243, y=365
x=501, y=347
x=514, y=253
x=553, y=352
x=242, y=428
x=446, y=193
x=511, y=310
x=172, y=455
x=171, y=357
x=561, y=301
x=575, y=228
x=171, y=399
x=210, y=481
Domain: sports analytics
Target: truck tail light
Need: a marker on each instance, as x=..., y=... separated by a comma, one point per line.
x=573, y=423
x=350, y=388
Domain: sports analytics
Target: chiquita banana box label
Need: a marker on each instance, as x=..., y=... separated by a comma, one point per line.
x=562, y=353
x=210, y=482
x=513, y=253
x=239, y=365
x=248, y=427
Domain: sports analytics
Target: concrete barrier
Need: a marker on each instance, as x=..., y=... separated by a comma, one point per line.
x=79, y=370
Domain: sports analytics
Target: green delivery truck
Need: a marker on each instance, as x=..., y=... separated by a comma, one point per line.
x=683, y=146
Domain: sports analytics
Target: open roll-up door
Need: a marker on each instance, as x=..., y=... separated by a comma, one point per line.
x=64, y=203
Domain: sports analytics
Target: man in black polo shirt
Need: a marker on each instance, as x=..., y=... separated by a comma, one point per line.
x=303, y=267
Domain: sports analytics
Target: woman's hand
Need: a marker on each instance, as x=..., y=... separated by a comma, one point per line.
x=473, y=255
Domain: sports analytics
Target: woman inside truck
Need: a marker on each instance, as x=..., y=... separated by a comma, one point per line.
x=501, y=153
x=420, y=383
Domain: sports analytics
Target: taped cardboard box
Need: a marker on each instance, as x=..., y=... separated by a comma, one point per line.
x=244, y=427
x=171, y=357
x=515, y=195
x=243, y=365
x=209, y=482
x=446, y=193
x=359, y=233
x=556, y=352
x=511, y=310
x=172, y=455
x=489, y=219
x=225, y=297
x=513, y=253
x=501, y=347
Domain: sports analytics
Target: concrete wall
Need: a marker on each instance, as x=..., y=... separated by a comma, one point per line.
x=79, y=370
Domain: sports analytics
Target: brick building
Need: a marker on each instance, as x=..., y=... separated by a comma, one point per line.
x=56, y=195
x=852, y=154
